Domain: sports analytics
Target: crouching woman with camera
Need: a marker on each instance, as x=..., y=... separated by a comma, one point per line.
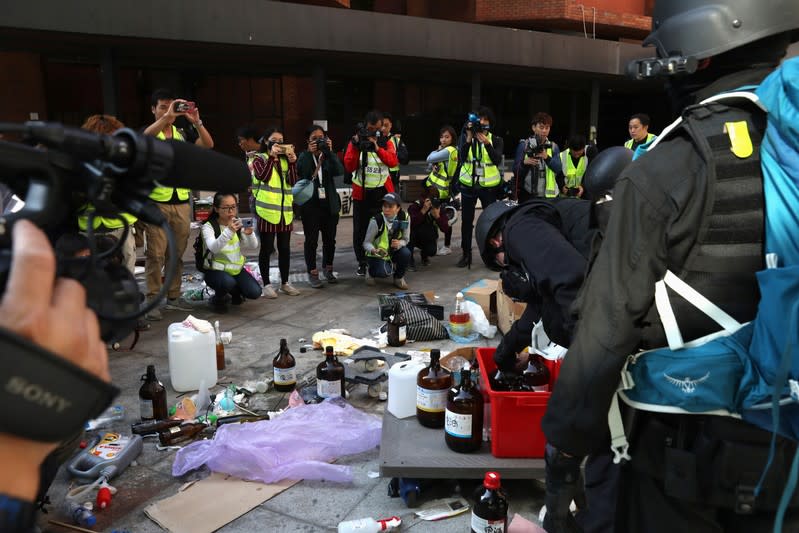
x=386, y=243
x=427, y=218
x=223, y=235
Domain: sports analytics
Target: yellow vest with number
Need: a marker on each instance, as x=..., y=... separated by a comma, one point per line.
x=229, y=259
x=273, y=197
x=164, y=194
x=573, y=175
x=649, y=138
x=381, y=243
x=376, y=173
x=107, y=222
x=442, y=173
x=490, y=177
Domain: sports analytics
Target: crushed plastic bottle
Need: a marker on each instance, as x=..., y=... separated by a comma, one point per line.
x=113, y=414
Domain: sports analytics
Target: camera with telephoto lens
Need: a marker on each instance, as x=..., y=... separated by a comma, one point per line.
x=474, y=125
x=535, y=145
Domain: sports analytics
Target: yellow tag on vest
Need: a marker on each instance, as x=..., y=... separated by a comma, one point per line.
x=741, y=144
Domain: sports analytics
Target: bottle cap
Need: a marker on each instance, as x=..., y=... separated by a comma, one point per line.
x=103, y=497
x=303, y=349
x=491, y=481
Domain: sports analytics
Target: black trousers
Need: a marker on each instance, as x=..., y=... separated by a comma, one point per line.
x=362, y=212
x=469, y=199
x=424, y=237
x=316, y=219
x=283, y=254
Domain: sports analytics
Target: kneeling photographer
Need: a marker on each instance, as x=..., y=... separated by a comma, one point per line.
x=427, y=217
x=370, y=156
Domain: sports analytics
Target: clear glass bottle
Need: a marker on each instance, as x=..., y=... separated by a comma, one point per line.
x=460, y=321
x=284, y=369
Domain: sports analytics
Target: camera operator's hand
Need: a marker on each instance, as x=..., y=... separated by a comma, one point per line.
x=193, y=116
x=275, y=151
x=51, y=313
x=483, y=138
x=292, y=156
x=235, y=224
x=248, y=231
x=171, y=113
x=468, y=136
x=580, y=191
x=426, y=206
x=530, y=161
x=395, y=244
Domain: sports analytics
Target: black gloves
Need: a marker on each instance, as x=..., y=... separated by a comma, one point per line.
x=564, y=484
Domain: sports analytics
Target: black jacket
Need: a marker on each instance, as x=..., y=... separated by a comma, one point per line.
x=331, y=169
x=658, y=208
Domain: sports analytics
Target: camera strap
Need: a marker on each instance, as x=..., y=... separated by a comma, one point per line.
x=44, y=397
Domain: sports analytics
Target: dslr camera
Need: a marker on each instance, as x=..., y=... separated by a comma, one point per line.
x=363, y=133
x=435, y=202
x=320, y=143
x=536, y=144
x=184, y=107
x=474, y=125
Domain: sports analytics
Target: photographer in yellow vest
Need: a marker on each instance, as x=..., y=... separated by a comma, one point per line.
x=173, y=202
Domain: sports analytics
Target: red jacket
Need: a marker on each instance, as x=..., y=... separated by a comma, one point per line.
x=352, y=160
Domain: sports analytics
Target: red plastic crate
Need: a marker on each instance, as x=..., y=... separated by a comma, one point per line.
x=515, y=416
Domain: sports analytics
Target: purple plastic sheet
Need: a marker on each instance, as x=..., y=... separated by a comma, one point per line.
x=297, y=445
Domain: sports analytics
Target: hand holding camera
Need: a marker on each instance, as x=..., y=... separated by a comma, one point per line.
x=235, y=224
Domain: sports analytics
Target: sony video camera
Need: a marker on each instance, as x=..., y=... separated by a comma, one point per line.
x=535, y=145
x=474, y=125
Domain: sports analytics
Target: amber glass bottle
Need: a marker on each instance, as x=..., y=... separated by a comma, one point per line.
x=177, y=434
x=490, y=513
x=432, y=386
x=330, y=376
x=536, y=375
x=463, y=418
x=152, y=397
x=397, y=327
x=285, y=369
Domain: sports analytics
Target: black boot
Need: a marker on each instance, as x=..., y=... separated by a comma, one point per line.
x=465, y=260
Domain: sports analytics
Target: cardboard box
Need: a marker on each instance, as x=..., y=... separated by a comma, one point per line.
x=484, y=294
x=508, y=310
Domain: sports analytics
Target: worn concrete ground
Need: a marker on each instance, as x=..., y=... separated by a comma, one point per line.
x=257, y=327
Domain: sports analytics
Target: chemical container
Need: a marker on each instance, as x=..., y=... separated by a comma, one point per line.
x=515, y=416
x=192, y=357
x=402, y=388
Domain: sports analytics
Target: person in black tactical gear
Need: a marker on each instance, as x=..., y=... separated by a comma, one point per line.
x=692, y=207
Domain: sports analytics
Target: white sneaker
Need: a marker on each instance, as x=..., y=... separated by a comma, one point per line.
x=444, y=250
x=288, y=288
x=269, y=292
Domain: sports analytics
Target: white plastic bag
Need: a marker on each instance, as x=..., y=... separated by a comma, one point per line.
x=479, y=321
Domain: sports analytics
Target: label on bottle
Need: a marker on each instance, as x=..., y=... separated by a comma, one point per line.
x=285, y=376
x=432, y=401
x=458, y=425
x=403, y=333
x=487, y=526
x=111, y=445
x=328, y=389
x=146, y=408
x=174, y=429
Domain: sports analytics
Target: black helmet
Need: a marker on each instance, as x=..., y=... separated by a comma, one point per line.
x=490, y=221
x=604, y=170
x=686, y=31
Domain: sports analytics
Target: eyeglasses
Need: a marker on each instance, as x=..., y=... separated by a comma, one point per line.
x=227, y=208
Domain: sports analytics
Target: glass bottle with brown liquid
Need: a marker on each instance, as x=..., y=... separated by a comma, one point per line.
x=220, y=348
x=490, y=513
x=177, y=434
x=155, y=426
x=536, y=376
x=432, y=387
x=463, y=418
x=330, y=376
x=152, y=397
x=284, y=369
x=397, y=327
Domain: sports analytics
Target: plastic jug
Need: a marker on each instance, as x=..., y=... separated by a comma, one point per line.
x=402, y=388
x=192, y=357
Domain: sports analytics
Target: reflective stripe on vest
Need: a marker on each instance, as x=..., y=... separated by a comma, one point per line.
x=442, y=173
x=574, y=175
x=164, y=194
x=376, y=173
x=381, y=243
x=396, y=143
x=649, y=138
x=490, y=177
x=273, y=198
x=106, y=222
x=229, y=259
x=550, y=183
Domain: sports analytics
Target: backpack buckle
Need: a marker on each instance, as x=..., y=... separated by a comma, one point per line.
x=744, y=499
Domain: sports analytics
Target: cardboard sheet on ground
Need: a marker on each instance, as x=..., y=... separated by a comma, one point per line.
x=209, y=504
